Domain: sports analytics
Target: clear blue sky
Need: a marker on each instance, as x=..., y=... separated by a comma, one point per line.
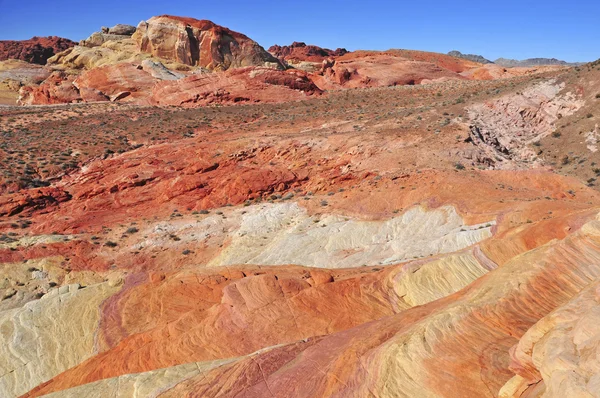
x=568, y=30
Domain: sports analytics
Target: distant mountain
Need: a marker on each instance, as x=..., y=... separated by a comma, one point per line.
x=470, y=57
x=509, y=63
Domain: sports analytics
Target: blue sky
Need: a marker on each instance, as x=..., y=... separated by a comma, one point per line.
x=568, y=30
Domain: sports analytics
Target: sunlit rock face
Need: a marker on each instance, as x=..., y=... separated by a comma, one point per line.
x=199, y=42
x=285, y=234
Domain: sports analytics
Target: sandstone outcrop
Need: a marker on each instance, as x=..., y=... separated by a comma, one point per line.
x=36, y=50
x=382, y=69
x=58, y=88
x=199, y=43
x=116, y=33
x=121, y=29
x=505, y=127
x=107, y=53
x=152, y=84
x=15, y=74
x=556, y=356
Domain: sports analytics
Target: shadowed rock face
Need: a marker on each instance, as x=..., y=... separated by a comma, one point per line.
x=36, y=50
x=199, y=42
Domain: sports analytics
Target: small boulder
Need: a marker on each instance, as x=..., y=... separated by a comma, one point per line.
x=121, y=29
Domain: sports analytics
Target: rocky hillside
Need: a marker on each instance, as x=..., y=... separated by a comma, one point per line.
x=36, y=50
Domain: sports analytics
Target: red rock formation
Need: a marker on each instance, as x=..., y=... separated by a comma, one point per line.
x=56, y=89
x=115, y=82
x=199, y=42
x=299, y=51
x=132, y=84
x=377, y=69
x=29, y=200
x=244, y=85
x=36, y=50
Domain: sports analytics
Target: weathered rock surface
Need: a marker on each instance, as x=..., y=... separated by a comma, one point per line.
x=377, y=69
x=305, y=57
x=58, y=88
x=122, y=29
x=36, y=50
x=199, y=43
x=505, y=127
x=48, y=336
x=15, y=74
x=557, y=356
x=242, y=85
x=286, y=235
x=151, y=83
x=107, y=53
x=493, y=71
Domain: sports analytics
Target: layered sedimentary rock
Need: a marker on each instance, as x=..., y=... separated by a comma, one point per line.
x=151, y=83
x=299, y=51
x=36, y=50
x=557, y=356
x=45, y=337
x=287, y=235
x=505, y=127
x=376, y=69
x=199, y=43
x=58, y=88
x=338, y=246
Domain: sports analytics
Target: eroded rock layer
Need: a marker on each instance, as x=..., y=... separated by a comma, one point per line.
x=409, y=239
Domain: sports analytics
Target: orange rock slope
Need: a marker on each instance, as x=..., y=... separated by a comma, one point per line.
x=167, y=230
x=403, y=241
